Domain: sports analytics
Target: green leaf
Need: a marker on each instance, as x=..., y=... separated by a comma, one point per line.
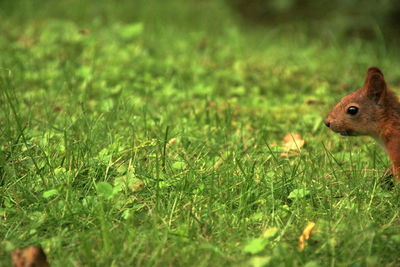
x=258, y=261
x=50, y=193
x=395, y=238
x=104, y=189
x=126, y=214
x=2, y=212
x=8, y=245
x=311, y=264
x=270, y=232
x=255, y=245
x=131, y=31
x=299, y=193
x=129, y=181
x=59, y=171
x=179, y=165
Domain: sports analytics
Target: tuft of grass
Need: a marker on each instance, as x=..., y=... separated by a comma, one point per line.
x=154, y=138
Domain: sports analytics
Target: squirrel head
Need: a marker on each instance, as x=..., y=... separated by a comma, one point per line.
x=362, y=111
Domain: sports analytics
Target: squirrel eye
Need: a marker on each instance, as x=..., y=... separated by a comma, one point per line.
x=352, y=110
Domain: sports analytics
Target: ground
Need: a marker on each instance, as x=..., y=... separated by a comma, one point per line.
x=135, y=134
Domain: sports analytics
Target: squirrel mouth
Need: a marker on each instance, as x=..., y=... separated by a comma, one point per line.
x=344, y=131
x=347, y=133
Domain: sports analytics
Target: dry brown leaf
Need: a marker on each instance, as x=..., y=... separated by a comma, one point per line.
x=138, y=186
x=85, y=31
x=292, y=144
x=30, y=256
x=306, y=234
x=202, y=44
x=314, y=102
x=26, y=41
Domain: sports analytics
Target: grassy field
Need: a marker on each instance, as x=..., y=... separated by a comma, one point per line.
x=150, y=134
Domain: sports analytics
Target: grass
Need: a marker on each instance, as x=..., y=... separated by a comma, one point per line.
x=154, y=139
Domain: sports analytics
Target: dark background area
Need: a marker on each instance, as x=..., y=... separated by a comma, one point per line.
x=355, y=18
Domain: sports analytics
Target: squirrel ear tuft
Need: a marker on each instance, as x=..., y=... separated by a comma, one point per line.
x=375, y=83
x=373, y=69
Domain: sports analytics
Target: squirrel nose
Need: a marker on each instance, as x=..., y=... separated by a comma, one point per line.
x=327, y=123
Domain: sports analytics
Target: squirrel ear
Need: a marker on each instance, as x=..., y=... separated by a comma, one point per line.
x=375, y=83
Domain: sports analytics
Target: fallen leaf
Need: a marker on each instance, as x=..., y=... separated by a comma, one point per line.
x=314, y=102
x=306, y=234
x=58, y=108
x=202, y=44
x=85, y=31
x=26, y=41
x=292, y=144
x=30, y=256
x=171, y=141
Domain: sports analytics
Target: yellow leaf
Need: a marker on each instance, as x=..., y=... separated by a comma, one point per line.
x=306, y=234
x=171, y=141
x=292, y=144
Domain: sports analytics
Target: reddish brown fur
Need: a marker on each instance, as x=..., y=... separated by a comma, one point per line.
x=32, y=256
x=378, y=115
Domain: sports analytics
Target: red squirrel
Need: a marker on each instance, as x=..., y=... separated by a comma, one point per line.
x=372, y=110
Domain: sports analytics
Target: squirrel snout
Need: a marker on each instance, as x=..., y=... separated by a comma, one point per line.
x=327, y=123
